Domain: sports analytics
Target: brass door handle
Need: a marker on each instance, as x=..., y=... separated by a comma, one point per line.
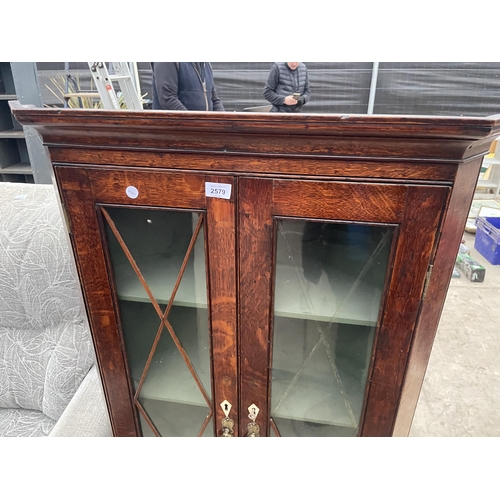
x=253, y=430
x=227, y=427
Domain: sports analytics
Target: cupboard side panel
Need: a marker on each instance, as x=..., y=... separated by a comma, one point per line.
x=422, y=215
x=77, y=196
x=449, y=242
x=221, y=237
x=255, y=235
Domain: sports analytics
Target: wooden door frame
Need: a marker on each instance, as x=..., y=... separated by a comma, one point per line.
x=82, y=191
x=416, y=209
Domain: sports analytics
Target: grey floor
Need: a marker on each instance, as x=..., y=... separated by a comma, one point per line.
x=461, y=391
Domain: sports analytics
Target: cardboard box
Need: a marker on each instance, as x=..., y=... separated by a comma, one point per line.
x=472, y=270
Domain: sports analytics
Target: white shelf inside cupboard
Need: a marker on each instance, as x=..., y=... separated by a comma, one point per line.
x=169, y=379
x=332, y=299
x=314, y=400
x=295, y=297
x=160, y=274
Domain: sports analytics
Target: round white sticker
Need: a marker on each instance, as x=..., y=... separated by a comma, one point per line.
x=132, y=192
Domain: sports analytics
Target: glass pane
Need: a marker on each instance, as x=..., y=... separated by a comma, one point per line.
x=158, y=241
x=329, y=281
x=174, y=387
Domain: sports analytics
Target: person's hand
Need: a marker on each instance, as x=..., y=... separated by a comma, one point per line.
x=290, y=101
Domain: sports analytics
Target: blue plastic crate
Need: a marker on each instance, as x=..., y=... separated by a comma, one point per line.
x=487, y=241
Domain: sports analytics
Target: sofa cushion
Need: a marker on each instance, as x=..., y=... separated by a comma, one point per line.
x=45, y=345
x=17, y=422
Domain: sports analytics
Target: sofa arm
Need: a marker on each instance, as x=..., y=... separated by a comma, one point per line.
x=86, y=414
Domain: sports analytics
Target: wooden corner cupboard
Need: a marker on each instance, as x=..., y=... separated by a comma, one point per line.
x=263, y=274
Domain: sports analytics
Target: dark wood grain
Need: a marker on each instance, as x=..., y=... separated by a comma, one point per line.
x=317, y=124
x=339, y=200
x=423, y=210
x=255, y=235
x=221, y=245
x=304, y=166
x=418, y=210
x=177, y=189
x=259, y=144
x=448, y=244
x=379, y=169
x=269, y=134
x=77, y=197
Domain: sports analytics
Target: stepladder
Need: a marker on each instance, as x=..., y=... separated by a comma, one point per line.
x=120, y=73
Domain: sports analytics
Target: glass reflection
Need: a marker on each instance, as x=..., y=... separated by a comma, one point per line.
x=166, y=337
x=329, y=281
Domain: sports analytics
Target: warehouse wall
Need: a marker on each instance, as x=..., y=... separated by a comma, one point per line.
x=468, y=89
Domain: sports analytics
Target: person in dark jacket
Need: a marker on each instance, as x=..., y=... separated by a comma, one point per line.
x=184, y=86
x=287, y=87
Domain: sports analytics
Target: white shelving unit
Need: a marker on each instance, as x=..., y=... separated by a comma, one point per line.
x=489, y=188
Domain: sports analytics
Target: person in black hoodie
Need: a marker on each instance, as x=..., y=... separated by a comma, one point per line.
x=287, y=87
x=184, y=86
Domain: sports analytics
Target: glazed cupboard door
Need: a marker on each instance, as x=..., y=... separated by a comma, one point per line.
x=156, y=259
x=331, y=279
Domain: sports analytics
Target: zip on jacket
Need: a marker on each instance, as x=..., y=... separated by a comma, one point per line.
x=203, y=84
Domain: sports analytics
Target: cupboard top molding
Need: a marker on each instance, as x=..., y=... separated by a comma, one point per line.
x=416, y=138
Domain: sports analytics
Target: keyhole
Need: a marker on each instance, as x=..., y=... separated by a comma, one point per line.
x=225, y=406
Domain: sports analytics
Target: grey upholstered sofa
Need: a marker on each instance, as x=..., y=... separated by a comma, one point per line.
x=49, y=385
